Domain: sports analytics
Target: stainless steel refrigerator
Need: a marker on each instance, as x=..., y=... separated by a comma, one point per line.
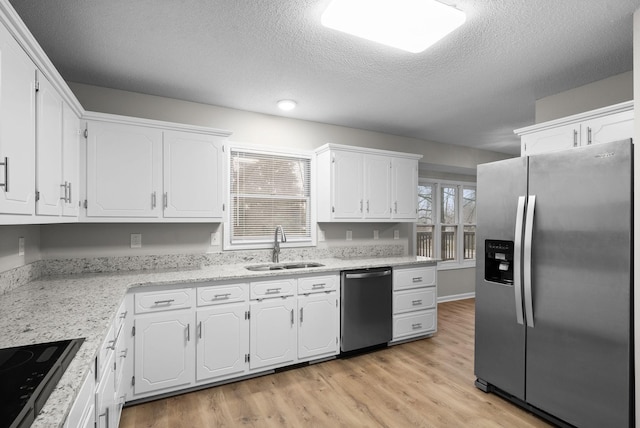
x=554, y=298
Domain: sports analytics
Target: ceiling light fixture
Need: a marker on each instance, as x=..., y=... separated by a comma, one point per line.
x=286, y=105
x=411, y=25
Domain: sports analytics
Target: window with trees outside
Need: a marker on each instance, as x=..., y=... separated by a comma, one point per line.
x=446, y=227
x=267, y=189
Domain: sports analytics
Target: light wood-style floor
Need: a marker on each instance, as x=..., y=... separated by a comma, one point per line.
x=426, y=383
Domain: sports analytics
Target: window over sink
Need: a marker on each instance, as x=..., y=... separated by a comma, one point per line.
x=266, y=189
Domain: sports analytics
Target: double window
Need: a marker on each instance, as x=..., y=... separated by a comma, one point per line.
x=268, y=189
x=446, y=227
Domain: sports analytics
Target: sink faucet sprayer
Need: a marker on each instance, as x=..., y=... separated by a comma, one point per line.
x=276, y=245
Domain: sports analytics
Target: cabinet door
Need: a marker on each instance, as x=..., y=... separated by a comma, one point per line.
x=192, y=175
x=551, y=140
x=124, y=170
x=347, y=185
x=377, y=183
x=404, y=188
x=318, y=321
x=273, y=332
x=17, y=127
x=70, y=160
x=223, y=341
x=614, y=127
x=164, y=351
x=48, y=149
x=106, y=397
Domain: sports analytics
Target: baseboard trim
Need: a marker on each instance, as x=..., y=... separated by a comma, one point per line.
x=453, y=297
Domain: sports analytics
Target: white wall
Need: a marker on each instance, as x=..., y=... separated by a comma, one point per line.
x=9, y=235
x=605, y=92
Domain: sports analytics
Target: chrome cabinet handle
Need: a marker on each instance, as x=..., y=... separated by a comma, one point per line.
x=395, y=208
x=223, y=296
x=273, y=290
x=301, y=315
x=165, y=200
x=188, y=332
x=69, y=186
x=6, y=174
x=123, y=315
x=123, y=354
x=588, y=135
x=291, y=317
x=153, y=200
x=105, y=415
x=66, y=189
x=416, y=302
x=367, y=205
x=112, y=345
x=416, y=325
x=317, y=286
x=417, y=279
x=575, y=138
x=360, y=205
x=200, y=330
x=164, y=302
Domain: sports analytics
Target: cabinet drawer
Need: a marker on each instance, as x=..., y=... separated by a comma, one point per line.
x=155, y=301
x=121, y=317
x=316, y=284
x=414, y=323
x=414, y=277
x=413, y=300
x=223, y=293
x=276, y=288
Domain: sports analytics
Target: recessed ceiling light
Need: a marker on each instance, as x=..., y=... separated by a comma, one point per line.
x=411, y=25
x=286, y=105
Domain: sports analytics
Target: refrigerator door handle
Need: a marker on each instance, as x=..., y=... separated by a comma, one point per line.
x=517, y=257
x=528, y=236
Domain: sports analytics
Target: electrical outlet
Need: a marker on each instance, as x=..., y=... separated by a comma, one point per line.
x=396, y=234
x=21, y=246
x=349, y=235
x=376, y=234
x=321, y=237
x=214, y=238
x=136, y=240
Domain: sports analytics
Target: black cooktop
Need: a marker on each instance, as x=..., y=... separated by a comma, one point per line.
x=28, y=374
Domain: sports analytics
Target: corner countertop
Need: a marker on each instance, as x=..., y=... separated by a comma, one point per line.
x=84, y=305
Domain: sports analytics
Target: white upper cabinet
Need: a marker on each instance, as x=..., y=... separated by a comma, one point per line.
x=17, y=128
x=124, y=170
x=142, y=170
x=192, y=175
x=593, y=127
x=404, y=182
x=51, y=191
x=70, y=161
x=357, y=184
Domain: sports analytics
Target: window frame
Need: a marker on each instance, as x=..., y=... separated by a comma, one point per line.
x=437, y=185
x=267, y=243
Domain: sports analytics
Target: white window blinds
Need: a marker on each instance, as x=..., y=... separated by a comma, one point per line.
x=269, y=189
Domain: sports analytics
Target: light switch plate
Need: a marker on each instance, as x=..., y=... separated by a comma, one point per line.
x=214, y=238
x=396, y=234
x=21, y=246
x=136, y=240
x=349, y=235
x=376, y=234
x=321, y=237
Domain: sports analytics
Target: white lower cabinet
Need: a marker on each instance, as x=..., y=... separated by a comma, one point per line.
x=273, y=332
x=164, y=351
x=319, y=325
x=415, y=308
x=223, y=341
x=106, y=407
x=83, y=411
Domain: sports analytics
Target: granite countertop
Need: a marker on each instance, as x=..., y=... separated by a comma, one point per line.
x=84, y=305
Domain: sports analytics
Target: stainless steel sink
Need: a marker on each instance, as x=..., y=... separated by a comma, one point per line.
x=284, y=266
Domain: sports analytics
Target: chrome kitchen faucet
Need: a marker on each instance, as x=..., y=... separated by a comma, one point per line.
x=276, y=245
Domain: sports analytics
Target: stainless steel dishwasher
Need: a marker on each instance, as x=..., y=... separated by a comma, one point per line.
x=366, y=308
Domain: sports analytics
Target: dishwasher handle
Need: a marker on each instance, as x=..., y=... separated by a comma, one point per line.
x=362, y=275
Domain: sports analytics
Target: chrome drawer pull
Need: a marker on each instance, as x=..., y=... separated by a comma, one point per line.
x=221, y=296
x=417, y=279
x=164, y=302
x=416, y=326
x=317, y=286
x=416, y=302
x=273, y=290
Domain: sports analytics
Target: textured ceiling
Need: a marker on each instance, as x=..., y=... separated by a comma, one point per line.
x=472, y=88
